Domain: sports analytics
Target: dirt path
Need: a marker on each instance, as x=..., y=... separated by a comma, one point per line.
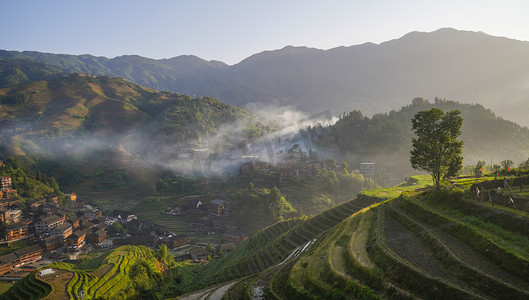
x=214, y=293
x=203, y=294
x=219, y=293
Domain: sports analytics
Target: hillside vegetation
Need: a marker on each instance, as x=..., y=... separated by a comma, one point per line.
x=83, y=102
x=15, y=71
x=79, y=125
x=426, y=245
x=385, y=138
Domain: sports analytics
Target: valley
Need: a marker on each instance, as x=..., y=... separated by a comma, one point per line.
x=396, y=170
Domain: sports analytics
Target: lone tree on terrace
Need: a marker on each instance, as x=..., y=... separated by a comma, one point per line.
x=436, y=149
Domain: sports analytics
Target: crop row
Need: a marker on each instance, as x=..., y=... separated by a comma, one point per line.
x=275, y=242
x=329, y=270
x=120, y=280
x=103, y=280
x=479, y=238
x=470, y=274
x=111, y=282
x=257, y=253
x=28, y=288
x=407, y=276
x=79, y=283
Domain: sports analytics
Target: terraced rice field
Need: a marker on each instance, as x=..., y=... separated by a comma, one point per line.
x=413, y=247
x=69, y=283
x=273, y=244
x=29, y=288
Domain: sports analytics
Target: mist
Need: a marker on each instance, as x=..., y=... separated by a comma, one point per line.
x=138, y=152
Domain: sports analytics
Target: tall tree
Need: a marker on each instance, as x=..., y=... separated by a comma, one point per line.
x=507, y=164
x=436, y=148
x=478, y=170
x=275, y=206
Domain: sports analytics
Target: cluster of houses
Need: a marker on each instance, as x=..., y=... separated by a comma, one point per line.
x=45, y=225
x=294, y=166
x=205, y=216
x=10, y=127
x=49, y=228
x=191, y=151
x=209, y=217
x=288, y=168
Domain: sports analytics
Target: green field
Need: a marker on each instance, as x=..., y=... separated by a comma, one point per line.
x=109, y=275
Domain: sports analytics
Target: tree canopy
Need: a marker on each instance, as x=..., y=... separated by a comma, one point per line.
x=436, y=148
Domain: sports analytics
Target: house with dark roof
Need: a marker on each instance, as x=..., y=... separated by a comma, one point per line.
x=20, y=257
x=191, y=204
x=48, y=223
x=64, y=230
x=35, y=203
x=16, y=231
x=176, y=241
x=77, y=239
x=52, y=243
x=7, y=262
x=123, y=216
x=97, y=237
x=74, y=221
x=218, y=206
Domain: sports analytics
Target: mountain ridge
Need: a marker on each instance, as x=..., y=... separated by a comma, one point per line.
x=467, y=66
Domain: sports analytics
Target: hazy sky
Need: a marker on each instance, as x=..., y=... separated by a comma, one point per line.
x=230, y=31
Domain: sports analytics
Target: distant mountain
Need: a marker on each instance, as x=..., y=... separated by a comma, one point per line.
x=184, y=74
x=472, y=67
x=15, y=71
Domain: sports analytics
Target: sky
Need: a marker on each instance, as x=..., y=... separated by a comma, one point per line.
x=232, y=30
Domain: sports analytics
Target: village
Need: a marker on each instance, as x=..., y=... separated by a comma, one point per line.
x=49, y=232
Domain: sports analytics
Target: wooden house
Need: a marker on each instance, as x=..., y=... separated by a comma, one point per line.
x=16, y=231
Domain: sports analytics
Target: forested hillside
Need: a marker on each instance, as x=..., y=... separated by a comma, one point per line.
x=15, y=71
x=83, y=124
x=386, y=138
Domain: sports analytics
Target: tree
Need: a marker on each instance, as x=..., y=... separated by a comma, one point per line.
x=478, y=170
x=496, y=168
x=275, y=203
x=322, y=202
x=118, y=228
x=162, y=253
x=211, y=249
x=436, y=148
x=524, y=164
x=507, y=164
